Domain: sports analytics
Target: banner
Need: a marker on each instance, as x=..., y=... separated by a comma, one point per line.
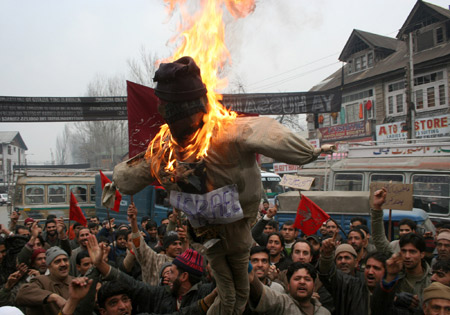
x=48, y=109
x=144, y=120
x=432, y=127
x=285, y=103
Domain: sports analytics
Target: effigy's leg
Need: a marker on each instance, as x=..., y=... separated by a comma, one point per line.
x=229, y=261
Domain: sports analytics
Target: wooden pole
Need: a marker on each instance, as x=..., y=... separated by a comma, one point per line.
x=390, y=226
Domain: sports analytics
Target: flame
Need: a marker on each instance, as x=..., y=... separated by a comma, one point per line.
x=201, y=35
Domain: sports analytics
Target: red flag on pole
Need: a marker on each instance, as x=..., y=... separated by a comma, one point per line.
x=75, y=213
x=309, y=216
x=144, y=119
x=118, y=196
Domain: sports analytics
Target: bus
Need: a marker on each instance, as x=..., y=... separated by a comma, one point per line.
x=40, y=192
x=423, y=163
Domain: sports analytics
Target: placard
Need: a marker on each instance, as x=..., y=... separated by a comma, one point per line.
x=399, y=196
x=298, y=182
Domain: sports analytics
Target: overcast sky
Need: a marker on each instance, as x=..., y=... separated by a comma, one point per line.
x=55, y=48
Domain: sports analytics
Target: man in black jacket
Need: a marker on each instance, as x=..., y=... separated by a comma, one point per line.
x=186, y=289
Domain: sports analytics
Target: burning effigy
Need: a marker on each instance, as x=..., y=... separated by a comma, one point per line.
x=205, y=154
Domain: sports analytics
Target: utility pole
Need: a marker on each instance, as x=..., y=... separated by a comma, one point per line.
x=410, y=90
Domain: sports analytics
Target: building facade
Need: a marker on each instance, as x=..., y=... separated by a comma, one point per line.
x=12, y=152
x=376, y=87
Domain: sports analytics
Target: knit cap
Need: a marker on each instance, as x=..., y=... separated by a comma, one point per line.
x=179, y=81
x=443, y=236
x=190, y=261
x=436, y=290
x=36, y=252
x=52, y=253
x=345, y=248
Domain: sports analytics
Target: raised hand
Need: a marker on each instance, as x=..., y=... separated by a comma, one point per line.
x=132, y=216
x=35, y=229
x=379, y=197
x=271, y=212
x=79, y=287
x=329, y=245
x=393, y=266
x=95, y=250
x=16, y=276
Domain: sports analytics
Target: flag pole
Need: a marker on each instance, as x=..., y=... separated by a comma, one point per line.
x=111, y=231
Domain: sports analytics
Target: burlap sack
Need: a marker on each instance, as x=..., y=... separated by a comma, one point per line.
x=133, y=175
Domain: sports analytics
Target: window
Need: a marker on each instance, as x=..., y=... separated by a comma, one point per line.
x=419, y=99
x=399, y=101
x=430, y=91
x=350, y=64
x=357, y=64
x=430, y=96
x=370, y=60
x=1, y=149
x=390, y=105
x=348, y=182
x=80, y=192
x=352, y=112
x=431, y=193
x=395, y=178
x=34, y=194
x=441, y=94
x=57, y=194
x=93, y=193
x=363, y=62
x=439, y=35
x=9, y=150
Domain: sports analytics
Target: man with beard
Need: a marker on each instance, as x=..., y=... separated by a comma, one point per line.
x=55, y=235
x=290, y=234
x=186, y=289
x=299, y=299
x=47, y=294
x=351, y=295
x=442, y=246
x=82, y=240
x=265, y=226
x=357, y=239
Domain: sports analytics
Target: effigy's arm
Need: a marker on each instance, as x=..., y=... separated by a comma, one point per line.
x=267, y=136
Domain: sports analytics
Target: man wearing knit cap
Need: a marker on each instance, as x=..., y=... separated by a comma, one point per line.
x=442, y=246
x=225, y=182
x=351, y=294
x=46, y=294
x=436, y=299
x=345, y=259
x=186, y=290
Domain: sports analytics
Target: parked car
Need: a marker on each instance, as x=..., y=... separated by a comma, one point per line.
x=3, y=199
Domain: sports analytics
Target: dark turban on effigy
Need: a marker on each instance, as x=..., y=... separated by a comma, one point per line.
x=180, y=84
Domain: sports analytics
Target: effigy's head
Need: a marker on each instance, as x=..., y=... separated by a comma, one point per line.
x=182, y=95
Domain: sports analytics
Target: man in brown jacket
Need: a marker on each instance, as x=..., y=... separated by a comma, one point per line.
x=48, y=294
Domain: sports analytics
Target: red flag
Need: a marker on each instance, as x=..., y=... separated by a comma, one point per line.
x=144, y=120
x=309, y=216
x=118, y=196
x=75, y=213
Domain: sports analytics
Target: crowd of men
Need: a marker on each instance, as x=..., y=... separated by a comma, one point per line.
x=145, y=268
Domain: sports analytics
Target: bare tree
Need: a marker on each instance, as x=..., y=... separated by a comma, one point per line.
x=142, y=69
x=63, y=146
x=291, y=121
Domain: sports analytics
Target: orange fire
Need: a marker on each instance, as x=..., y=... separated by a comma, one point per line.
x=201, y=35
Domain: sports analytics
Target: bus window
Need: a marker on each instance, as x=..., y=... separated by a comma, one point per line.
x=80, y=192
x=57, y=194
x=18, y=195
x=348, y=182
x=433, y=191
x=395, y=178
x=34, y=194
x=92, y=193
